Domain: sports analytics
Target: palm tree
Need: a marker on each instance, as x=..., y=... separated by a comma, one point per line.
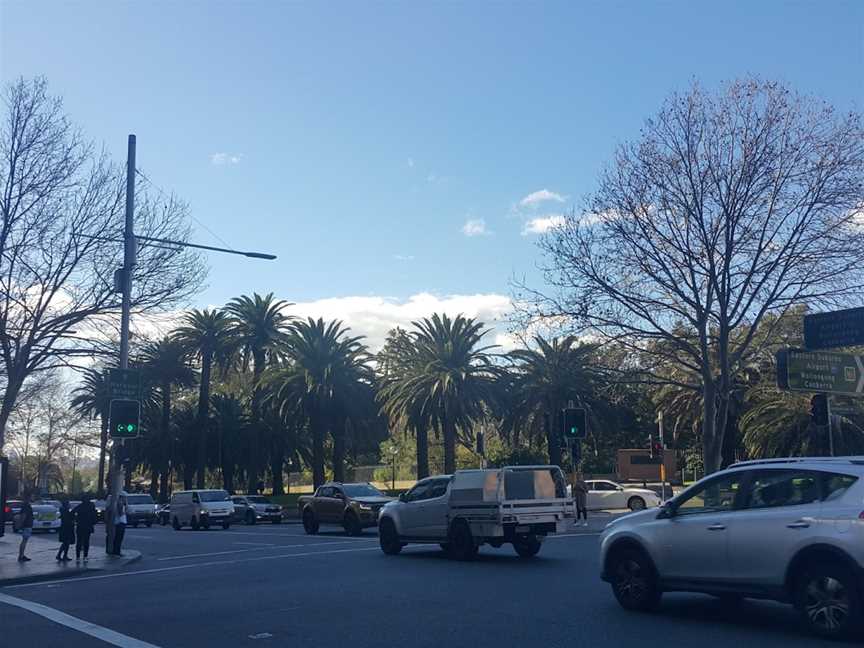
x=259, y=326
x=166, y=367
x=92, y=399
x=324, y=380
x=451, y=382
x=544, y=380
x=230, y=420
x=206, y=335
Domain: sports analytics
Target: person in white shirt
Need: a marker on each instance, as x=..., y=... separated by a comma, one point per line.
x=119, y=525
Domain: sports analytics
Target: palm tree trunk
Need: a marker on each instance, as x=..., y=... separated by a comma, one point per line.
x=277, y=461
x=338, y=433
x=422, y=452
x=166, y=442
x=553, y=436
x=253, y=467
x=449, y=446
x=103, y=445
x=154, y=483
x=202, y=420
x=317, y=450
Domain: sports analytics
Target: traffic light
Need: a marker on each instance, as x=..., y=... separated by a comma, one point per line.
x=575, y=424
x=819, y=409
x=124, y=418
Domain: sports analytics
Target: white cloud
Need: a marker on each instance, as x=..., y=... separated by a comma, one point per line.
x=543, y=224
x=475, y=227
x=221, y=159
x=544, y=195
x=374, y=316
x=403, y=257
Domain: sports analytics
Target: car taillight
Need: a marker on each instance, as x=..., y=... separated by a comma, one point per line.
x=861, y=515
x=7, y=509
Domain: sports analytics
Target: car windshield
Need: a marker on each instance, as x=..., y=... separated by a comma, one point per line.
x=362, y=490
x=258, y=500
x=213, y=496
x=139, y=499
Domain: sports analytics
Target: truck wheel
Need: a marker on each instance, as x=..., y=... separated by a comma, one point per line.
x=226, y=524
x=388, y=538
x=176, y=524
x=352, y=525
x=634, y=583
x=195, y=525
x=250, y=518
x=527, y=546
x=205, y=523
x=462, y=545
x=149, y=524
x=310, y=524
x=135, y=525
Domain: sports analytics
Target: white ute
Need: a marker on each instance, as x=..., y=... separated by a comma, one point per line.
x=519, y=505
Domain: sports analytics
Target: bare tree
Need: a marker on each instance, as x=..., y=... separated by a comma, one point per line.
x=61, y=209
x=727, y=208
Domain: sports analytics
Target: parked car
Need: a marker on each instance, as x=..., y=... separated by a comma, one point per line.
x=46, y=516
x=252, y=508
x=606, y=495
x=790, y=530
x=163, y=514
x=140, y=509
x=100, y=505
x=353, y=506
x=518, y=505
x=201, y=509
x=11, y=509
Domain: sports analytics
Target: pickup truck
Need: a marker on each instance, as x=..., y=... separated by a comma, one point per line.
x=519, y=505
x=353, y=506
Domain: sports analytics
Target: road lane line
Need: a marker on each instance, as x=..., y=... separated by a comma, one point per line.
x=192, y=566
x=233, y=551
x=61, y=618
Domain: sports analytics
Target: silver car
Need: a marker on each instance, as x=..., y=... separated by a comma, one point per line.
x=790, y=530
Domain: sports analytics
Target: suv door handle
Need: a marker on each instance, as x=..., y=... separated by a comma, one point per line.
x=800, y=524
x=717, y=527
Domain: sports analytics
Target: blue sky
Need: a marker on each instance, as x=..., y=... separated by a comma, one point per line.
x=384, y=150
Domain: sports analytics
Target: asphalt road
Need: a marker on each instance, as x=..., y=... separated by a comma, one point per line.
x=273, y=585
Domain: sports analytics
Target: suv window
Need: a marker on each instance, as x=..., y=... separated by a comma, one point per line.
x=716, y=495
x=772, y=488
x=237, y=500
x=325, y=491
x=195, y=498
x=834, y=485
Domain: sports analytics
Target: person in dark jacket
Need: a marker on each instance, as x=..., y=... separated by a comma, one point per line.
x=85, y=521
x=67, y=531
x=25, y=526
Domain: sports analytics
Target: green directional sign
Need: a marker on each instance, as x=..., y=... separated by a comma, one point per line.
x=124, y=384
x=821, y=371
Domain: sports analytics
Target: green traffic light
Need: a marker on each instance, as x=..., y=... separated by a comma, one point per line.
x=130, y=428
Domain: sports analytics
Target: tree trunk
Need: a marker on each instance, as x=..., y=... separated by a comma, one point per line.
x=277, y=462
x=127, y=479
x=189, y=477
x=13, y=387
x=317, y=450
x=254, y=432
x=712, y=438
x=154, y=483
x=338, y=433
x=202, y=419
x=449, y=446
x=103, y=445
x=422, y=452
x=166, y=442
x=553, y=438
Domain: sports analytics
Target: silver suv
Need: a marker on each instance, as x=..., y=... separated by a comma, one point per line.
x=790, y=530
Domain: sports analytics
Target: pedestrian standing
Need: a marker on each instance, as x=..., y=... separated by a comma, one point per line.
x=580, y=493
x=119, y=525
x=67, y=531
x=25, y=526
x=85, y=522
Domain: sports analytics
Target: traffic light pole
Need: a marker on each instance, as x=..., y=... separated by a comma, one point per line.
x=129, y=254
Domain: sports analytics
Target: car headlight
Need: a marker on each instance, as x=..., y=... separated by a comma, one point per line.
x=365, y=507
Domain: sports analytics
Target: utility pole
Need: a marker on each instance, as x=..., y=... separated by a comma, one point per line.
x=129, y=259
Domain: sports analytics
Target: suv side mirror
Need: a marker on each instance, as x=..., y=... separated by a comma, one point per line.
x=667, y=511
x=401, y=497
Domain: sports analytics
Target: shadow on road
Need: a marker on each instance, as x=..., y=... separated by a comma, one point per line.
x=774, y=618
x=504, y=557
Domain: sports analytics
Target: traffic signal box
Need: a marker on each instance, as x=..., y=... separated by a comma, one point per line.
x=124, y=419
x=575, y=424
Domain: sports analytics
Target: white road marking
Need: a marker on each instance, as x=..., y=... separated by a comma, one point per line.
x=191, y=566
x=257, y=544
x=233, y=551
x=104, y=634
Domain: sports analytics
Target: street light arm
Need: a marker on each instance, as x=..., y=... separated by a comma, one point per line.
x=251, y=255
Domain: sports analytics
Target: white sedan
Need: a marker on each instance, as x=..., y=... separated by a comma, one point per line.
x=606, y=495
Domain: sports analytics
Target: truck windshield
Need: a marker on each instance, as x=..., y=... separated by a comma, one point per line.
x=139, y=499
x=361, y=490
x=213, y=496
x=543, y=483
x=258, y=500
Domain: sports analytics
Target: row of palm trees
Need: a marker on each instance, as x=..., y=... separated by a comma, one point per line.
x=305, y=392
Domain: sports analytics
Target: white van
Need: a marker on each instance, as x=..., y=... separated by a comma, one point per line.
x=201, y=508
